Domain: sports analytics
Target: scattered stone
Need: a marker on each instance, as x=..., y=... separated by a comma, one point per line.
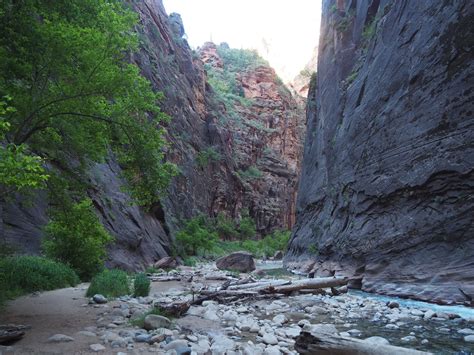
x=86, y=333
x=469, y=338
x=378, y=340
x=176, y=344
x=280, y=319
x=408, y=339
x=417, y=312
x=392, y=326
x=270, y=339
x=425, y=341
x=143, y=338
x=354, y=332
x=97, y=347
x=154, y=321
x=429, y=314
x=392, y=304
x=59, y=338
x=238, y=261
x=466, y=331
x=272, y=350
x=99, y=299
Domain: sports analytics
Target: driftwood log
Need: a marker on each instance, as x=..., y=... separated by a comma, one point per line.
x=322, y=343
x=308, y=284
x=10, y=332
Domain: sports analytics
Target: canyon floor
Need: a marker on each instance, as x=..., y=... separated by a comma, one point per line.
x=65, y=322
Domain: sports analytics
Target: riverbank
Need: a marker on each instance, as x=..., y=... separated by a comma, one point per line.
x=264, y=326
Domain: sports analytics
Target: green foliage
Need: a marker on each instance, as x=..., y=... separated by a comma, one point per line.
x=19, y=170
x=196, y=236
x=208, y=156
x=152, y=270
x=141, y=285
x=190, y=261
x=306, y=73
x=369, y=30
x=251, y=173
x=65, y=65
x=313, y=80
x=76, y=237
x=225, y=227
x=247, y=227
x=109, y=283
x=352, y=76
x=25, y=274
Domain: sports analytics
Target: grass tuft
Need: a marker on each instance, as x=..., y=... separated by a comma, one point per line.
x=141, y=285
x=109, y=283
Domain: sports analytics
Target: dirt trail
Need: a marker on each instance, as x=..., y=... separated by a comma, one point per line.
x=49, y=313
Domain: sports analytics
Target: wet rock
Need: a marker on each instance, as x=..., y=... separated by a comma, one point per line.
x=323, y=328
x=466, y=331
x=153, y=321
x=393, y=304
x=96, y=347
x=143, y=338
x=238, y=261
x=60, y=338
x=99, y=299
x=429, y=314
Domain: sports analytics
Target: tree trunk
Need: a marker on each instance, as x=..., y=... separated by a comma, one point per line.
x=321, y=343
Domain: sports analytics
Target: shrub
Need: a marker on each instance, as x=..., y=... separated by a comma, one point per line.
x=195, y=236
x=139, y=322
x=247, y=227
x=251, y=173
x=25, y=274
x=76, y=237
x=226, y=227
x=141, y=285
x=110, y=283
x=190, y=261
x=207, y=156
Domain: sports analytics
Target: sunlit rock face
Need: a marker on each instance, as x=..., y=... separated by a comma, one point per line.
x=387, y=180
x=264, y=135
x=143, y=236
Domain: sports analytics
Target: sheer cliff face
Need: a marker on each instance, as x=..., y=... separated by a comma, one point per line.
x=264, y=135
x=387, y=179
x=143, y=236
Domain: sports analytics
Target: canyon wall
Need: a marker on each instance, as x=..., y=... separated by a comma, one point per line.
x=387, y=183
x=217, y=185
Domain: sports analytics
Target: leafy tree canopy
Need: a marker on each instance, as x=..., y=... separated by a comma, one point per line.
x=64, y=64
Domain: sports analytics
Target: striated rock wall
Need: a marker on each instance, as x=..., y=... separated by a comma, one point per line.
x=265, y=134
x=387, y=184
x=143, y=236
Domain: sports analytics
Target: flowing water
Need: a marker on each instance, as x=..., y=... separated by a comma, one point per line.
x=442, y=335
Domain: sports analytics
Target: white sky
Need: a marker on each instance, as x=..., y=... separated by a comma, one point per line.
x=290, y=27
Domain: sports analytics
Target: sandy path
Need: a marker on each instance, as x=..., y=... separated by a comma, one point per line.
x=53, y=312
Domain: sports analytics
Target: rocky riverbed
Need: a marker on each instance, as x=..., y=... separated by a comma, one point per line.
x=253, y=326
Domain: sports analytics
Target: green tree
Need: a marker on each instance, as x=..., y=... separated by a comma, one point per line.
x=225, y=227
x=195, y=236
x=64, y=62
x=247, y=227
x=76, y=237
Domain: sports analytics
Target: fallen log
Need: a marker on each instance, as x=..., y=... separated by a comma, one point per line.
x=164, y=278
x=322, y=343
x=10, y=332
x=259, y=285
x=308, y=284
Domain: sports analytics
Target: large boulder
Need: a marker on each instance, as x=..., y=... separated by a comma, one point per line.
x=168, y=262
x=238, y=261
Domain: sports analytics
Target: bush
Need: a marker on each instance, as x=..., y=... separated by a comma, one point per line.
x=207, y=156
x=110, y=283
x=76, y=237
x=251, y=173
x=225, y=227
x=141, y=285
x=25, y=274
x=196, y=236
x=247, y=227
